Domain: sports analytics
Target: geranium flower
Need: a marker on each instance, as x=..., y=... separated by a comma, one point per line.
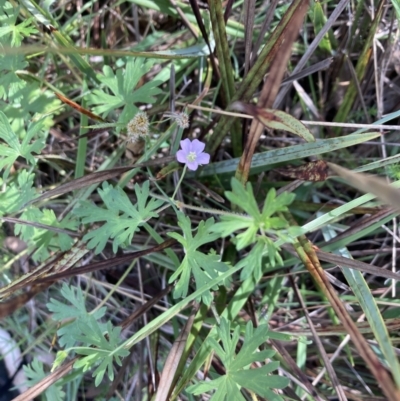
x=191, y=154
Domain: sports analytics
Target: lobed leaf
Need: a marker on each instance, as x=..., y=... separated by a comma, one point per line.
x=123, y=219
x=204, y=267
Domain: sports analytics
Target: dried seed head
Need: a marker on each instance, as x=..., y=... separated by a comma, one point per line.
x=138, y=126
x=181, y=118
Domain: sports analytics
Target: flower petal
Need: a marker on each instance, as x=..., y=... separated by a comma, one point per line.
x=181, y=156
x=197, y=146
x=186, y=145
x=203, y=158
x=192, y=165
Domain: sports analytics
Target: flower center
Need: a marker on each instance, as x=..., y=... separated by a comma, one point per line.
x=191, y=157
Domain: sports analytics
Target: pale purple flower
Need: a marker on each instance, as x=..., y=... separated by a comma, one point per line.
x=191, y=153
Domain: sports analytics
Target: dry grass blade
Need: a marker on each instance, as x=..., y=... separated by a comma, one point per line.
x=370, y=184
x=291, y=363
x=264, y=28
x=174, y=356
x=145, y=307
x=40, y=225
x=107, y=263
x=312, y=69
x=184, y=19
x=29, y=278
x=9, y=307
x=94, y=178
x=357, y=265
x=318, y=342
x=361, y=224
x=311, y=48
x=249, y=11
x=310, y=259
x=281, y=51
x=338, y=330
x=199, y=20
x=361, y=67
x=79, y=108
x=351, y=263
x=125, y=324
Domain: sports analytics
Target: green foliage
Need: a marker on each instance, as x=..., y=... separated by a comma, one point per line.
x=29, y=76
x=396, y=6
x=42, y=239
x=11, y=35
x=122, y=84
x=14, y=148
x=204, y=267
x=35, y=373
x=394, y=171
x=101, y=349
x=100, y=341
x=74, y=313
x=237, y=366
x=9, y=30
x=19, y=191
x=30, y=100
x=10, y=83
x=258, y=228
x=122, y=218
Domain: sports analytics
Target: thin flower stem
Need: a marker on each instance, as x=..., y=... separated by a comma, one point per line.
x=179, y=182
x=219, y=212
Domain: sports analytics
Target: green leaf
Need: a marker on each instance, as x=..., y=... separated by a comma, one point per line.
x=275, y=204
x=18, y=192
x=396, y=6
x=122, y=218
x=257, y=227
x=259, y=381
x=256, y=222
x=100, y=342
x=16, y=149
x=122, y=84
x=35, y=373
x=244, y=198
x=319, y=19
x=8, y=26
x=61, y=356
x=76, y=309
x=205, y=267
x=10, y=83
x=11, y=152
x=101, y=348
x=253, y=262
x=238, y=374
x=42, y=239
x=30, y=99
x=73, y=309
x=27, y=148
